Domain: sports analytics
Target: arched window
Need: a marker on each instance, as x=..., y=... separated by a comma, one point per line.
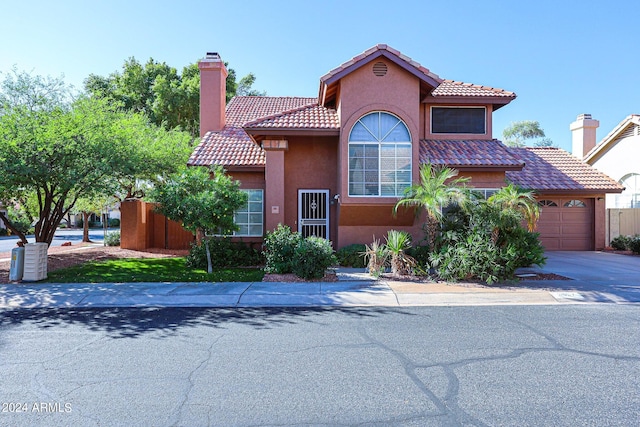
x=630, y=197
x=379, y=156
x=547, y=203
x=575, y=204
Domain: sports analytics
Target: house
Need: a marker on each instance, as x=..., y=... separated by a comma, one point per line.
x=335, y=165
x=616, y=155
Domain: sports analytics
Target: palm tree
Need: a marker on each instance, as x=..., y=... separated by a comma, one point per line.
x=519, y=199
x=398, y=242
x=438, y=189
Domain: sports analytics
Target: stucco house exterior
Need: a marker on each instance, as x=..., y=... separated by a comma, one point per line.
x=335, y=165
x=617, y=156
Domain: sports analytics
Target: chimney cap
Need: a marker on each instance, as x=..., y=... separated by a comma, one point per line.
x=213, y=56
x=585, y=116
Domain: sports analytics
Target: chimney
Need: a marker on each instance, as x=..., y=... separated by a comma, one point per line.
x=213, y=92
x=583, y=135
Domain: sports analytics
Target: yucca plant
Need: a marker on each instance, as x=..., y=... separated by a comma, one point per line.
x=376, y=256
x=397, y=244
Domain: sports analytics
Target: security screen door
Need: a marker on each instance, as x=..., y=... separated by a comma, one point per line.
x=313, y=213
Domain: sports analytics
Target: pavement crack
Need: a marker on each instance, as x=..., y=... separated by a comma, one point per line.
x=178, y=413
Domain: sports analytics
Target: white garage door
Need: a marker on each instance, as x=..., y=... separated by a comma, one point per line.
x=566, y=224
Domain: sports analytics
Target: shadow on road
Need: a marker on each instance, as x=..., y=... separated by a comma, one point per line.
x=134, y=322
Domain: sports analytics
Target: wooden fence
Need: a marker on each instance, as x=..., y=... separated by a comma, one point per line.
x=142, y=228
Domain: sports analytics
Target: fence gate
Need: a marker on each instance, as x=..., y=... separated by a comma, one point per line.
x=313, y=213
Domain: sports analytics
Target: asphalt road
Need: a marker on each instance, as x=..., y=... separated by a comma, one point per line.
x=430, y=366
x=62, y=235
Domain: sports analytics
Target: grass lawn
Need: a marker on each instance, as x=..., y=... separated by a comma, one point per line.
x=149, y=270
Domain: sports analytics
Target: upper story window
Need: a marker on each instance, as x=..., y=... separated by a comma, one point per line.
x=379, y=156
x=630, y=197
x=459, y=120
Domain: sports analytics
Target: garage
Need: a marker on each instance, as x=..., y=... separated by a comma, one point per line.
x=566, y=224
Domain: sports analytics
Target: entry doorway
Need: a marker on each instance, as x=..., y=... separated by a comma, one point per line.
x=313, y=213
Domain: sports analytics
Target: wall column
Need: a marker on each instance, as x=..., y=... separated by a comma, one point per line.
x=274, y=182
x=600, y=223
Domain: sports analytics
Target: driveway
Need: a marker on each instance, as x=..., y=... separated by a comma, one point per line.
x=597, y=276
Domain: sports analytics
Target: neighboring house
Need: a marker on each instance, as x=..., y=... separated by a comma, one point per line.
x=335, y=165
x=616, y=155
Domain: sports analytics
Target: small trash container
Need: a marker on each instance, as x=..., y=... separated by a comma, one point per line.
x=16, y=270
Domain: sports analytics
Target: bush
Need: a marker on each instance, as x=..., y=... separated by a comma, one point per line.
x=313, y=255
x=634, y=245
x=352, y=256
x=490, y=248
x=621, y=243
x=113, y=222
x=224, y=253
x=279, y=250
x=112, y=239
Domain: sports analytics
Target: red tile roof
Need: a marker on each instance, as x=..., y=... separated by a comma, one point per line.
x=553, y=169
x=233, y=146
x=468, y=153
x=312, y=116
x=380, y=49
x=453, y=88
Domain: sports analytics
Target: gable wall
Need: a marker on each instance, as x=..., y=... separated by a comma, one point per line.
x=620, y=159
x=361, y=92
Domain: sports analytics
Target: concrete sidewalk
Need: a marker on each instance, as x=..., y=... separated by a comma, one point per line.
x=354, y=288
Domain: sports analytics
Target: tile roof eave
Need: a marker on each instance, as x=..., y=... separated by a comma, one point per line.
x=369, y=56
x=606, y=142
x=256, y=131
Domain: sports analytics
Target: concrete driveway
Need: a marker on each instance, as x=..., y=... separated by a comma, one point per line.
x=597, y=276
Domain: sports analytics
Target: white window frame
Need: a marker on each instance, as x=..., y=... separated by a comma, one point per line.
x=249, y=212
x=379, y=144
x=456, y=106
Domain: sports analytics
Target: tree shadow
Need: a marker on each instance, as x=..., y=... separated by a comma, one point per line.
x=168, y=321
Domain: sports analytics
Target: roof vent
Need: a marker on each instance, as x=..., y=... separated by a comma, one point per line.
x=380, y=69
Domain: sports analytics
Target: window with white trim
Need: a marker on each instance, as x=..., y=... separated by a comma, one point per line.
x=380, y=156
x=250, y=217
x=630, y=197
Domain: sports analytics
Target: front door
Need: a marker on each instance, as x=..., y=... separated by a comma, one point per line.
x=313, y=213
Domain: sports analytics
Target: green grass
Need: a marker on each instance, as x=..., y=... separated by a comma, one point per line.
x=149, y=270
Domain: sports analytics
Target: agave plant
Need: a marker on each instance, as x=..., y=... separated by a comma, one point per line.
x=397, y=244
x=376, y=256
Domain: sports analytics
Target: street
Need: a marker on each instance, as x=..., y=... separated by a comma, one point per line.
x=73, y=235
x=418, y=366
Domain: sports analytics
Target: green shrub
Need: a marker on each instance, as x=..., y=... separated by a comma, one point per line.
x=491, y=247
x=224, y=253
x=352, y=256
x=279, y=250
x=376, y=256
x=113, y=222
x=634, y=245
x=621, y=243
x=313, y=255
x=112, y=239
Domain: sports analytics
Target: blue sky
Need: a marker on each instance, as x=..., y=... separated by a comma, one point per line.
x=562, y=58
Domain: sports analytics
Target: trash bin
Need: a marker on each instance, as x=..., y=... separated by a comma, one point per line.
x=17, y=264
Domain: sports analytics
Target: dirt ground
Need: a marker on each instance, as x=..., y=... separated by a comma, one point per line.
x=67, y=256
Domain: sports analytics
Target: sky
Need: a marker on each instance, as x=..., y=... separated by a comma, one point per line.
x=562, y=58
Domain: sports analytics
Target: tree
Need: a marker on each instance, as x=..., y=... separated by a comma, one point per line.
x=514, y=197
x=167, y=98
x=517, y=133
x=88, y=205
x=55, y=150
x=203, y=200
x=438, y=188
